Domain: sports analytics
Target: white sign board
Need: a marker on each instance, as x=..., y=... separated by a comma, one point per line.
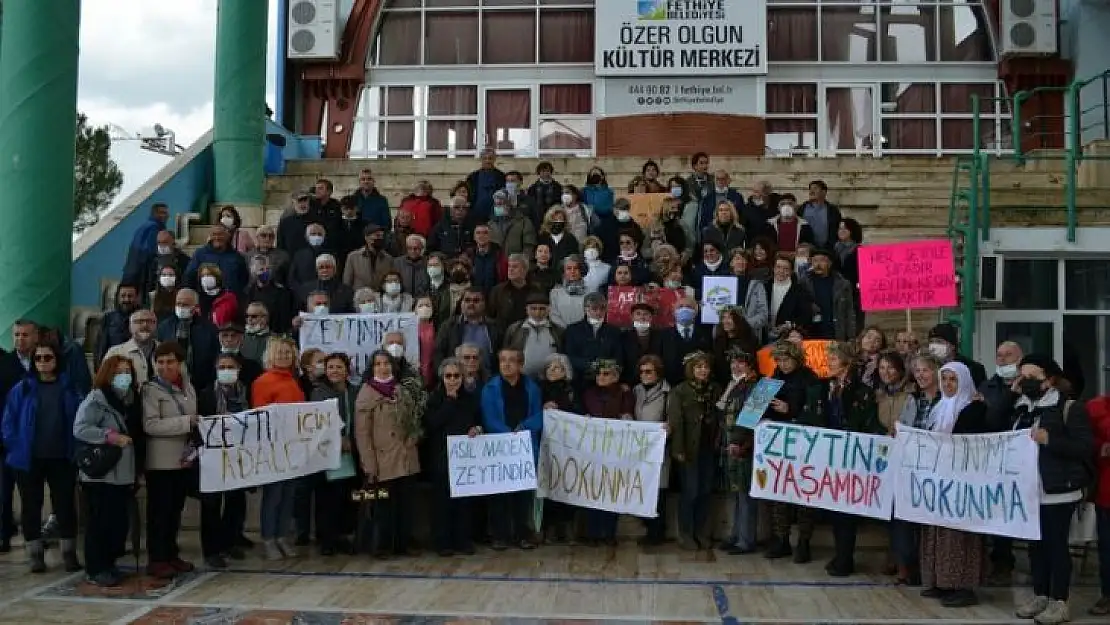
x=359, y=336
x=491, y=464
x=653, y=95
x=680, y=38
x=270, y=444
x=979, y=483
x=605, y=464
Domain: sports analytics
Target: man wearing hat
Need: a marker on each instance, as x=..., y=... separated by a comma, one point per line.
x=231, y=341
x=294, y=223
x=535, y=336
x=944, y=340
x=639, y=340
x=833, y=298
x=366, y=267
x=349, y=232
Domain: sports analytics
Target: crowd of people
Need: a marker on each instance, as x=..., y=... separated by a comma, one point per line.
x=509, y=283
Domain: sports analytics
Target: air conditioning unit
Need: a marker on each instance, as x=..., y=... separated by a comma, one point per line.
x=990, y=279
x=1029, y=27
x=314, y=30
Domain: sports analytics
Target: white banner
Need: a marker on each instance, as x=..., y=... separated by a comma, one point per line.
x=981, y=483
x=269, y=444
x=606, y=464
x=359, y=336
x=491, y=464
x=821, y=468
x=680, y=38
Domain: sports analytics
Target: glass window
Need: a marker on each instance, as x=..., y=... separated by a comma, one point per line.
x=567, y=36
x=791, y=34
x=909, y=33
x=850, y=117
x=449, y=101
x=451, y=136
x=848, y=34
x=1087, y=284
x=958, y=134
x=909, y=134
x=396, y=136
x=398, y=39
x=1034, y=338
x=1017, y=277
x=509, y=120
x=451, y=38
x=963, y=33
x=566, y=134
x=956, y=98
x=909, y=98
x=398, y=101
x=566, y=99
x=786, y=136
x=508, y=37
x=450, y=3
x=791, y=98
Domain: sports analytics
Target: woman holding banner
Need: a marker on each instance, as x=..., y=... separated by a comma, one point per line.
x=740, y=445
x=894, y=396
x=606, y=398
x=954, y=563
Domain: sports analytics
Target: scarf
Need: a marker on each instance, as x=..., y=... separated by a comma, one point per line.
x=1027, y=413
x=575, y=287
x=844, y=249
x=229, y=398
x=943, y=416
x=388, y=388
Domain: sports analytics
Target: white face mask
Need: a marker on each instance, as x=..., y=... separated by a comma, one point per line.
x=322, y=309
x=208, y=282
x=319, y=369
x=396, y=350
x=722, y=190
x=227, y=376
x=255, y=328
x=567, y=199
x=315, y=240
x=424, y=312
x=595, y=321
x=391, y=288
x=228, y=221
x=642, y=326
x=940, y=350
x=787, y=211
x=623, y=215
x=672, y=284
x=712, y=266
x=183, y=312
x=368, y=307
x=590, y=254
x=143, y=337
x=165, y=250
x=435, y=273
x=167, y=281
x=1007, y=372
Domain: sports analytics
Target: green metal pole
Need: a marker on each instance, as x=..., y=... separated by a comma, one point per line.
x=239, y=123
x=38, y=118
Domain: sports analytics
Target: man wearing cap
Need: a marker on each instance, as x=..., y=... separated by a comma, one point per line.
x=638, y=341
x=293, y=224
x=454, y=234
x=944, y=340
x=834, y=315
x=348, y=235
x=592, y=339
x=510, y=229
x=366, y=267
x=231, y=342
x=535, y=336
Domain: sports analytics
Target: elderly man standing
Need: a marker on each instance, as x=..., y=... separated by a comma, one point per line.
x=139, y=349
x=196, y=335
x=535, y=336
x=413, y=266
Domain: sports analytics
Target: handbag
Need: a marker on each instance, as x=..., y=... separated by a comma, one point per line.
x=96, y=461
x=1083, y=530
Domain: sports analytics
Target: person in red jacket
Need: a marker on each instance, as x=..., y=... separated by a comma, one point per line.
x=216, y=301
x=426, y=210
x=1098, y=409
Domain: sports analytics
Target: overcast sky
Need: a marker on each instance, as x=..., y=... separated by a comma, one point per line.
x=145, y=62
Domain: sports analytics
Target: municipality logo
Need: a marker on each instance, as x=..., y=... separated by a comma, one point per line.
x=651, y=9
x=683, y=10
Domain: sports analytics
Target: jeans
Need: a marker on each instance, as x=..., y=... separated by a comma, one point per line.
x=697, y=486
x=1050, y=557
x=744, y=513
x=905, y=543
x=165, y=499
x=276, y=512
x=220, y=518
x=1103, y=517
x=106, y=525
x=61, y=475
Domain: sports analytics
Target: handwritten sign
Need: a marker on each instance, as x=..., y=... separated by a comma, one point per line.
x=621, y=299
x=359, y=336
x=821, y=468
x=981, y=483
x=491, y=464
x=271, y=444
x=646, y=207
x=914, y=274
x=756, y=403
x=603, y=464
x=717, y=294
x=817, y=358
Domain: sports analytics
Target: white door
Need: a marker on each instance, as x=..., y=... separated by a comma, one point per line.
x=1039, y=332
x=848, y=119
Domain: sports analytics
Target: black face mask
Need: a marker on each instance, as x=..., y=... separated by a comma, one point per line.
x=593, y=179
x=557, y=227
x=1031, y=388
x=459, y=277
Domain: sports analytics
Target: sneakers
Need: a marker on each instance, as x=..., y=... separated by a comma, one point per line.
x=271, y=550
x=1054, y=614
x=1031, y=608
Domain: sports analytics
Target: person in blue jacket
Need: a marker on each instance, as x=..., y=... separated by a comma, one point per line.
x=73, y=360
x=512, y=402
x=218, y=251
x=37, y=429
x=372, y=205
x=596, y=192
x=144, y=243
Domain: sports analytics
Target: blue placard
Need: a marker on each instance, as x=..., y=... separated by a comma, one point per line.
x=757, y=402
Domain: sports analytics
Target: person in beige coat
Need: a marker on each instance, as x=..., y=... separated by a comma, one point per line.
x=139, y=349
x=169, y=418
x=387, y=430
x=366, y=267
x=651, y=405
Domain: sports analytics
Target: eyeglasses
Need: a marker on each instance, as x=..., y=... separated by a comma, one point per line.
x=44, y=357
x=470, y=357
x=451, y=376
x=256, y=316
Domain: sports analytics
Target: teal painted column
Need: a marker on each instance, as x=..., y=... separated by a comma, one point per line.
x=239, y=124
x=38, y=117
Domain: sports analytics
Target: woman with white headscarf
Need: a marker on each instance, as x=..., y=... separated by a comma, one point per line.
x=953, y=563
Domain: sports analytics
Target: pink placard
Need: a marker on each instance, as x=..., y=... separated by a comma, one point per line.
x=914, y=274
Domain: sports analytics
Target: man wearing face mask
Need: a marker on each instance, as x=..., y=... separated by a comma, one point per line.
x=999, y=395
x=291, y=228
x=510, y=229
x=231, y=343
x=639, y=340
x=349, y=236
x=592, y=339
x=454, y=234
x=302, y=269
x=412, y=266
x=279, y=259
x=520, y=202
x=278, y=299
x=686, y=337
x=535, y=336
x=167, y=255
x=545, y=191
x=788, y=228
x=472, y=326
x=340, y=295
x=366, y=267
x=257, y=332
x=139, y=349
x=196, y=335
x=114, y=324
x=944, y=339
x=761, y=206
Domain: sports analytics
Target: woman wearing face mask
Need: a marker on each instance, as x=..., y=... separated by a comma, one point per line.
x=597, y=270
x=109, y=415
x=726, y=228
x=712, y=264
x=459, y=272
x=606, y=398
x=543, y=275
x=165, y=295
x=439, y=288
x=596, y=192
x=240, y=240
x=737, y=452
x=216, y=302
x=568, y=298
x=894, y=396
x=790, y=229
x=555, y=235
x=312, y=368
x=37, y=429
x=387, y=430
x=426, y=334
x=732, y=335
x=674, y=278
x=754, y=302
x=1065, y=463
x=392, y=299
x=580, y=217
x=650, y=396
x=335, y=516
x=558, y=393
x=222, y=513
x=367, y=301
x=953, y=562
x=689, y=209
